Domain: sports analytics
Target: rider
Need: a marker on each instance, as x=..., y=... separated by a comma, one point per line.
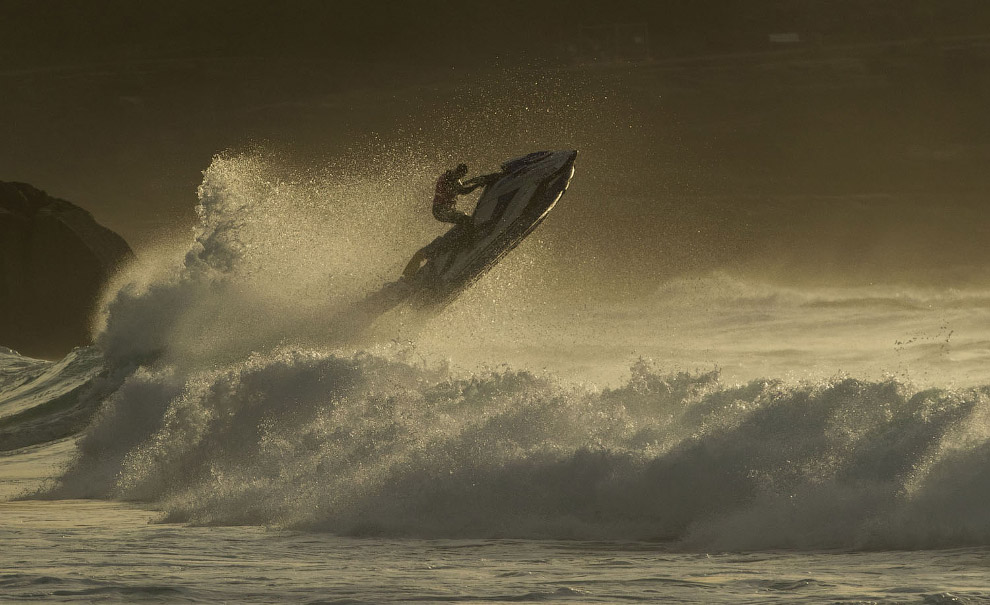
x=448, y=187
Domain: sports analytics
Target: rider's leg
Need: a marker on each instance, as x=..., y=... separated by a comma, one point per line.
x=414, y=263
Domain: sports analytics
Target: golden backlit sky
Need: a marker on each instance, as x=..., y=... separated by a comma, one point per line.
x=859, y=153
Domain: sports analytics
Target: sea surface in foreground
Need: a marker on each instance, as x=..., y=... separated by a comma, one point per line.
x=86, y=550
x=64, y=551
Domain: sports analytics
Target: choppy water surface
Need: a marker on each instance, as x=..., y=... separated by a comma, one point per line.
x=68, y=551
x=510, y=451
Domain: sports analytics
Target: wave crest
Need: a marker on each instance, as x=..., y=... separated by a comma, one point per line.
x=364, y=445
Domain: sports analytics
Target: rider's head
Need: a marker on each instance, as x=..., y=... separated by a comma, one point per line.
x=461, y=170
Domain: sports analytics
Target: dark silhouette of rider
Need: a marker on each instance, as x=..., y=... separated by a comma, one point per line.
x=448, y=187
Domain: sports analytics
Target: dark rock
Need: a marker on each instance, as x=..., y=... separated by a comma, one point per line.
x=54, y=261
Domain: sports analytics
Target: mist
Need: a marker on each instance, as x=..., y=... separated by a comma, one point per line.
x=854, y=158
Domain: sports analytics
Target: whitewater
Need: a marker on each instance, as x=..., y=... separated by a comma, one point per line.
x=722, y=439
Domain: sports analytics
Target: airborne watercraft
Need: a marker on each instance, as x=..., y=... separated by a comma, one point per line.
x=508, y=210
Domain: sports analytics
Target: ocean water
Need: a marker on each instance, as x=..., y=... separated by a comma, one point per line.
x=719, y=440
x=86, y=551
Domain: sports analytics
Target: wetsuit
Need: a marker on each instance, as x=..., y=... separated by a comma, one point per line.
x=445, y=199
x=445, y=210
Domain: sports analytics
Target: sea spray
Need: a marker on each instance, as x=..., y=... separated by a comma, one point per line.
x=236, y=406
x=364, y=445
x=275, y=254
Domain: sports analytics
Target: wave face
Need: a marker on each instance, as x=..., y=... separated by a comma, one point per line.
x=41, y=401
x=235, y=405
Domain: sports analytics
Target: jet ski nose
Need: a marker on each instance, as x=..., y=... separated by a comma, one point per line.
x=571, y=157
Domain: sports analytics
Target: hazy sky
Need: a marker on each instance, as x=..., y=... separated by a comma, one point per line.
x=442, y=31
x=852, y=139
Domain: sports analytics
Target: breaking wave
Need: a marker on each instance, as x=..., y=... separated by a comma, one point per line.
x=234, y=406
x=363, y=445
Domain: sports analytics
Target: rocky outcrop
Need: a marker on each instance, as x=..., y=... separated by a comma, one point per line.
x=54, y=260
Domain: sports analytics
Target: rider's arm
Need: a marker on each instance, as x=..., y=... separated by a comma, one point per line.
x=478, y=181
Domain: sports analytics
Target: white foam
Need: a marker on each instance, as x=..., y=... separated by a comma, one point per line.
x=238, y=407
